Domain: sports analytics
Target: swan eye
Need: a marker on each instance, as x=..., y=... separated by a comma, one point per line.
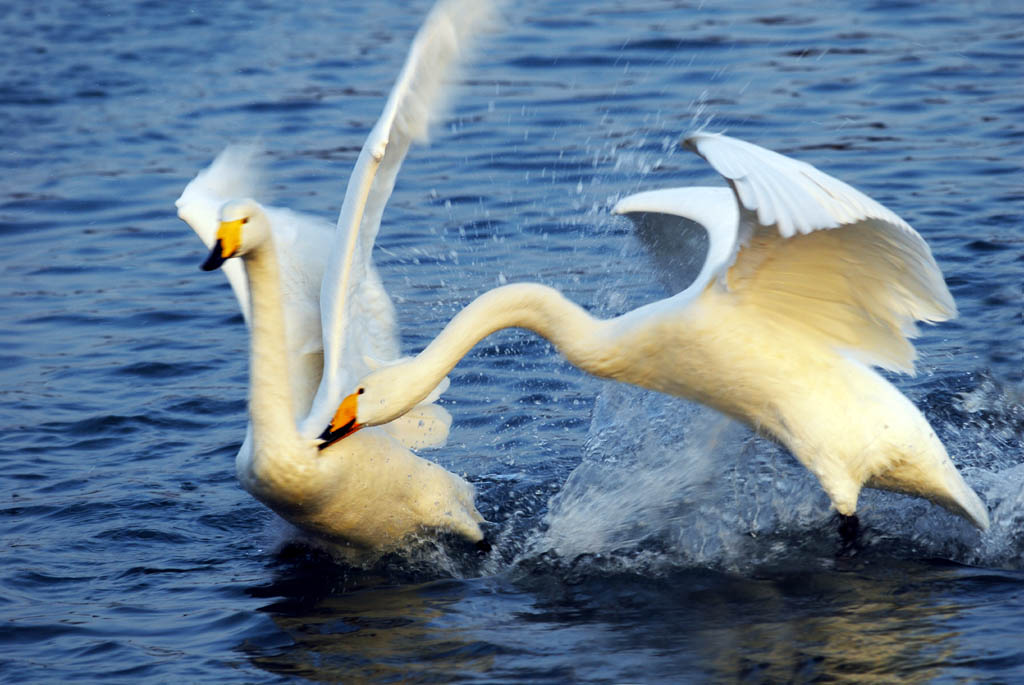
x=360, y=391
x=245, y=220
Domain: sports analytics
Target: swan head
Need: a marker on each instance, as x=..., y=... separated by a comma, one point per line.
x=374, y=402
x=243, y=226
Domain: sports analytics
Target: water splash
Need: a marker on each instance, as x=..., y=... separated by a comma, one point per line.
x=990, y=436
x=631, y=477
x=665, y=483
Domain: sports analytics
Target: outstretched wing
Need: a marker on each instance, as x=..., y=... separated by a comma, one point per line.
x=357, y=314
x=689, y=233
x=233, y=174
x=860, y=285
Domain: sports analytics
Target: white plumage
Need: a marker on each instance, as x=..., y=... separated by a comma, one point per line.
x=804, y=283
x=317, y=309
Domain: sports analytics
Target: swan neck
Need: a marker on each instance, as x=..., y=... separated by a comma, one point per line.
x=271, y=405
x=535, y=307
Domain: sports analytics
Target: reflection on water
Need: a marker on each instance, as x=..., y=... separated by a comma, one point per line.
x=869, y=619
x=874, y=627
x=377, y=635
x=338, y=623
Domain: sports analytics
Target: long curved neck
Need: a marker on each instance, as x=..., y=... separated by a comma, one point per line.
x=541, y=309
x=271, y=406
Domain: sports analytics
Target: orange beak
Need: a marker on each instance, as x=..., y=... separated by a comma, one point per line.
x=229, y=238
x=344, y=422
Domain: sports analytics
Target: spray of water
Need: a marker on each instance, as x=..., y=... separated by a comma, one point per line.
x=665, y=483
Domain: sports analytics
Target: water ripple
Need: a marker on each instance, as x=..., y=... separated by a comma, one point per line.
x=133, y=553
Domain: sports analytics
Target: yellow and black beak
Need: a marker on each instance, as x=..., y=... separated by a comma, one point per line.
x=229, y=238
x=344, y=421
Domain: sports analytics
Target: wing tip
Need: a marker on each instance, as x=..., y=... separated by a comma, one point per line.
x=696, y=139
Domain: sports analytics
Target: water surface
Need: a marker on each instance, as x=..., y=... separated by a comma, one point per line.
x=636, y=538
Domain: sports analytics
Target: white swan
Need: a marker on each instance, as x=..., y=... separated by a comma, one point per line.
x=302, y=242
x=316, y=306
x=778, y=328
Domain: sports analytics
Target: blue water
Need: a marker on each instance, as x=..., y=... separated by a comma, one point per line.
x=636, y=540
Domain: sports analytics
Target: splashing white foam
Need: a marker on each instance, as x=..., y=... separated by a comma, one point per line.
x=677, y=478
x=666, y=482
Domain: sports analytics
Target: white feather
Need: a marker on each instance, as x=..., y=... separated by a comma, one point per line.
x=415, y=101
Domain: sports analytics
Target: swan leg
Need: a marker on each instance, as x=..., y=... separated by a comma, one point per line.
x=849, y=529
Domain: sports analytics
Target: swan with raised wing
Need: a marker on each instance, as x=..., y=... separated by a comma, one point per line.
x=316, y=307
x=805, y=283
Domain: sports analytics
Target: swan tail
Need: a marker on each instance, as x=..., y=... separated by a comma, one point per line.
x=959, y=498
x=970, y=506
x=938, y=481
x=445, y=501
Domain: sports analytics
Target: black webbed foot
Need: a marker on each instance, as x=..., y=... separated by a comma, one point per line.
x=849, y=539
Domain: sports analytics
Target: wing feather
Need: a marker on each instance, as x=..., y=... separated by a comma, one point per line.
x=860, y=285
x=669, y=223
x=416, y=101
x=233, y=174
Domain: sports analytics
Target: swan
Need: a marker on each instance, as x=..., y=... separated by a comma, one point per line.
x=804, y=285
x=302, y=241
x=315, y=305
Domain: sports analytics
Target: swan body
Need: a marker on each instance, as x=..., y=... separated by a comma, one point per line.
x=316, y=307
x=370, y=495
x=803, y=285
